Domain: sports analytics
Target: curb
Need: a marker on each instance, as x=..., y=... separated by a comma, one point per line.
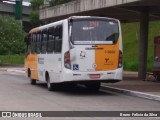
x=132, y=93
x=20, y=71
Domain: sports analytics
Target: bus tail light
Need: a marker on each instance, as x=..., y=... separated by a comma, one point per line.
x=67, y=62
x=120, y=60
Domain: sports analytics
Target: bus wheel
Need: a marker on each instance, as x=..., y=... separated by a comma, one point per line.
x=32, y=81
x=95, y=86
x=51, y=86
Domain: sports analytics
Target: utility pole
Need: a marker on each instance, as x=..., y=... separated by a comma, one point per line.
x=18, y=10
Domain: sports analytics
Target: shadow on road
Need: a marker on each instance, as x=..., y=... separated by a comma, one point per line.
x=76, y=90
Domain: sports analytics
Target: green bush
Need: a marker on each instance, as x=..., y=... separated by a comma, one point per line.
x=12, y=59
x=11, y=36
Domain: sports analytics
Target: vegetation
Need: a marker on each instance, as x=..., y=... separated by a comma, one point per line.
x=130, y=32
x=35, y=4
x=12, y=59
x=34, y=14
x=11, y=36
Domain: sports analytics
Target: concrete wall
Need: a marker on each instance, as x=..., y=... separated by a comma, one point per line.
x=79, y=6
x=10, y=8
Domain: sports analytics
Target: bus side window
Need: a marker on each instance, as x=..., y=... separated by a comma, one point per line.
x=38, y=42
x=28, y=44
x=33, y=43
x=58, y=38
x=44, y=41
x=51, y=40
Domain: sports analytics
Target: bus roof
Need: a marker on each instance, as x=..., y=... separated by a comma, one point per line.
x=61, y=21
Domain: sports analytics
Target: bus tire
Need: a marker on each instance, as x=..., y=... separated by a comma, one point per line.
x=95, y=86
x=32, y=81
x=51, y=86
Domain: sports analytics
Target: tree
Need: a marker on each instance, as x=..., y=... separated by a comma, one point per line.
x=11, y=36
x=34, y=14
x=35, y=4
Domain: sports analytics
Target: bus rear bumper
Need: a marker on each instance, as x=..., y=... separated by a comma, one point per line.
x=101, y=76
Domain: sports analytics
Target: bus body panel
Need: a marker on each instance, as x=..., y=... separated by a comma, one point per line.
x=112, y=75
x=99, y=58
x=106, y=57
x=81, y=59
x=51, y=64
x=32, y=65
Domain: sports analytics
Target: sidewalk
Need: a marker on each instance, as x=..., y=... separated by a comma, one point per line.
x=133, y=86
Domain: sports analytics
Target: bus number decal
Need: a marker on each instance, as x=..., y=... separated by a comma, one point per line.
x=94, y=24
x=110, y=51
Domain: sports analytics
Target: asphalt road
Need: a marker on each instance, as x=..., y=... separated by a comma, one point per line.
x=16, y=94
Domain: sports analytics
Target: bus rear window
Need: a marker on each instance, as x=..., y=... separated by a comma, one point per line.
x=94, y=31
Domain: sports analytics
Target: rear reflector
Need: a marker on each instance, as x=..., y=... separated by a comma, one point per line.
x=120, y=60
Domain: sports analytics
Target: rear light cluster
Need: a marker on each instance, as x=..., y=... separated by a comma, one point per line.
x=120, y=60
x=67, y=61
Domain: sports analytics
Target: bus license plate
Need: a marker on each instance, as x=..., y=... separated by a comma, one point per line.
x=94, y=75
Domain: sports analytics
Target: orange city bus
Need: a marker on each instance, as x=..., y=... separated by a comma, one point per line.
x=80, y=49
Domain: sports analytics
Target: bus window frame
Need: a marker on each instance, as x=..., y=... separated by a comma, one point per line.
x=48, y=40
x=34, y=40
x=28, y=44
x=38, y=39
x=44, y=40
x=58, y=33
